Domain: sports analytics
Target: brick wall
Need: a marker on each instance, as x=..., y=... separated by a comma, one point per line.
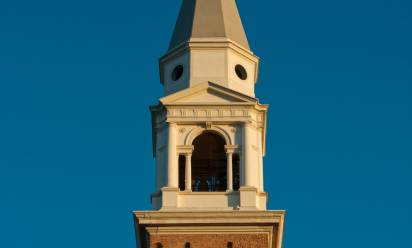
x=210, y=240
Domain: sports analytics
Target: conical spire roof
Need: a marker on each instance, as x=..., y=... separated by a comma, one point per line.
x=209, y=19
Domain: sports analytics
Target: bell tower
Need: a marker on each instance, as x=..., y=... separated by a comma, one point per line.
x=209, y=135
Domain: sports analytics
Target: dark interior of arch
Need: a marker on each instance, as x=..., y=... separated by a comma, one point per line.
x=182, y=167
x=209, y=163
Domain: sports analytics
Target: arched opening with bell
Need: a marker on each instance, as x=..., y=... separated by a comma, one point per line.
x=212, y=167
x=209, y=168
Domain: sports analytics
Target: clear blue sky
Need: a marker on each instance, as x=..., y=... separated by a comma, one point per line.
x=77, y=77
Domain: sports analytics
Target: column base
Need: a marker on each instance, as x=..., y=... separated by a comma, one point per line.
x=169, y=197
x=252, y=199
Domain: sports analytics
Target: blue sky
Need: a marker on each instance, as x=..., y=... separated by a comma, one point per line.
x=77, y=77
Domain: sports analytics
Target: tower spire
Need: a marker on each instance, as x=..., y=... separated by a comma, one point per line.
x=209, y=20
x=209, y=44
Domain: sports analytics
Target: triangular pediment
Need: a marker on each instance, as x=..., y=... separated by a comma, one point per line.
x=208, y=93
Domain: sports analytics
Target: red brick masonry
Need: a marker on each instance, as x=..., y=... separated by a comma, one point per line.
x=210, y=240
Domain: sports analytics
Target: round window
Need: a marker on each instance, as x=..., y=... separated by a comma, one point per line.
x=241, y=72
x=177, y=72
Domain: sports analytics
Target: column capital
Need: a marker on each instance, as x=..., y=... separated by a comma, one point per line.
x=248, y=124
x=230, y=149
x=172, y=124
x=185, y=150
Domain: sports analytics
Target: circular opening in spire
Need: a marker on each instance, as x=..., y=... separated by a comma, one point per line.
x=177, y=72
x=241, y=72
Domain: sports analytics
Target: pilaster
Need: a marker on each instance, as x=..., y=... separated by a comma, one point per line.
x=172, y=157
x=249, y=162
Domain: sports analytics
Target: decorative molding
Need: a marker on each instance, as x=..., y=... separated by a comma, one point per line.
x=204, y=112
x=220, y=230
x=210, y=217
x=208, y=125
x=231, y=149
x=172, y=124
x=186, y=150
x=191, y=136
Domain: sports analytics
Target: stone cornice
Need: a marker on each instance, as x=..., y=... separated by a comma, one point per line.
x=237, y=97
x=209, y=43
x=189, y=113
x=209, y=217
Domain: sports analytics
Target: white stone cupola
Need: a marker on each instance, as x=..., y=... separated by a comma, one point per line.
x=209, y=44
x=209, y=129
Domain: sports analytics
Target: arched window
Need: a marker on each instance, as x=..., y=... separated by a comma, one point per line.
x=229, y=244
x=187, y=245
x=209, y=163
x=159, y=245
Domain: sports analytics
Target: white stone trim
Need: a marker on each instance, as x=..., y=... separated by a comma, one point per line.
x=193, y=134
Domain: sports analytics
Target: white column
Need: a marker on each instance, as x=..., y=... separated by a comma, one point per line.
x=229, y=170
x=172, y=158
x=188, y=172
x=247, y=155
